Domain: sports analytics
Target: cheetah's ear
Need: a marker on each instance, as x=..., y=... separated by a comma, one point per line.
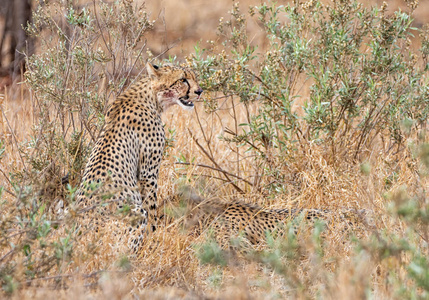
x=152, y=70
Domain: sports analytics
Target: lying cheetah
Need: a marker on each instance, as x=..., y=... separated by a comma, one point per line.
x=238, y=217
x=122, y=171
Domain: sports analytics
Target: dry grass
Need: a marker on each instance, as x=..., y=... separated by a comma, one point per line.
x=168, y=267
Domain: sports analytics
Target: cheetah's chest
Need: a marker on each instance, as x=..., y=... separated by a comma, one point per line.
x=152, y=143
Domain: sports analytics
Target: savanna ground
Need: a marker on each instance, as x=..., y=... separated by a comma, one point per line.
x=309, y=105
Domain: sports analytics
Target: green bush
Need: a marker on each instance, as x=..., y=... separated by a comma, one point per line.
x=86, y=56
x=364, y=80
x=366, y=84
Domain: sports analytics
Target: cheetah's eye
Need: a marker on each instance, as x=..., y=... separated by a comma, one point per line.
x=184, y=80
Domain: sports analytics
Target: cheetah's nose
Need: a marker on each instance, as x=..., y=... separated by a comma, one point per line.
x=199, y=91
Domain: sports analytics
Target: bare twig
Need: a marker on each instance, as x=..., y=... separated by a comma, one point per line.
x=208, y=141
x=215, y=169
x=229, y=131
x=6, y=255
x=214, y=162
x=236, y=130
x=132, y=67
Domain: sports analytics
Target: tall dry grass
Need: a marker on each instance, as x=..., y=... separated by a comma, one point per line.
x=167, y=266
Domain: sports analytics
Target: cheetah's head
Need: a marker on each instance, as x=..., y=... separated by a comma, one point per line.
x=174, y=85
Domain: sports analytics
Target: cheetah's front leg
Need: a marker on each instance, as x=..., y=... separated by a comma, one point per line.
x=145, y=211
x=148, y=188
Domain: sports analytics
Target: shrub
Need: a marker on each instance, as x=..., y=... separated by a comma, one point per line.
x=86, y=56
x=365, y=83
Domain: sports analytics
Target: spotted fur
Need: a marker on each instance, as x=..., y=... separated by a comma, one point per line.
x=122, y=172
x=237, y=217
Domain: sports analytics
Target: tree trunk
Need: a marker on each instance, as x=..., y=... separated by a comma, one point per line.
x=16, y=14
x=21, y=42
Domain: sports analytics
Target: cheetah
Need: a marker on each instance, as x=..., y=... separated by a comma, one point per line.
x=238, y=217
x=122, y=171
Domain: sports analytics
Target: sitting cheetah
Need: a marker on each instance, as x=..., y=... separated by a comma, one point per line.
x=122, y=170
x=233, y=218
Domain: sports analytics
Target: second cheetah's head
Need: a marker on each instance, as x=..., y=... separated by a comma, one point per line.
x=174, y=85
